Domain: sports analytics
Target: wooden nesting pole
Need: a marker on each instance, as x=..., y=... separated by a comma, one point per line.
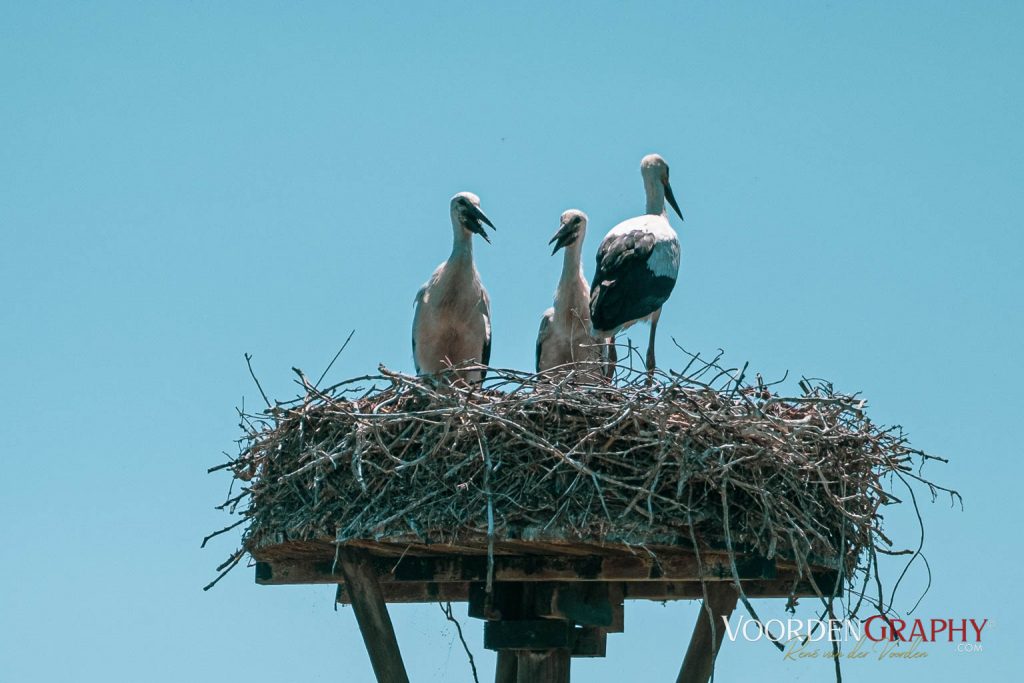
x=707, y=636
x=537, y=627
x=507, y=670
x=372, y=615
x=547, y=666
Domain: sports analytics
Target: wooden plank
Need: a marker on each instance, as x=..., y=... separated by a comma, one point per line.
x=508, y=600
x=539, y=547
x=398, y=547
x=372, y=616
x=462, y=591
x=528, y=634
x=427, y=591
x=587, y=604
x=708, y=633
x=617, y=597
x=525, y=568
x=525, y=541
x=288, y=572
x=479, y=605
x=780, y=587
x=589, y=641
x=543, y=540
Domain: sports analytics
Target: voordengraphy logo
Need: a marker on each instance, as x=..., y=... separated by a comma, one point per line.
x=878, y=636
x=876, y=628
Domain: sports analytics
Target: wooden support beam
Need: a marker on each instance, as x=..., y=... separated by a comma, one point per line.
x=530, y=649
x=276, y=548
x=525, y=568
x=460, y=591
x=372, y=616
x=507, y=670
x=528, y=634
x=589, y=641
x=781, y=587
x=617, y=596
x=587, y=604
x=407, y=592
x=708, y=633
x=550, y=666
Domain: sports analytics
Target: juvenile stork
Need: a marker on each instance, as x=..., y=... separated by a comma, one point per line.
x=564, y=339
x=637, y=265
x=452, y=322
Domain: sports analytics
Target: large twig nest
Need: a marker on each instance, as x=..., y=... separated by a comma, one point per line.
x=701, y=458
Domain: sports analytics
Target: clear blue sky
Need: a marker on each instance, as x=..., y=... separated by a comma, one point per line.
x=185, y=182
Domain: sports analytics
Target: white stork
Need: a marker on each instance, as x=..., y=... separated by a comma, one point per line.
x=637, y=265
x=564, y=338
x=452, y=322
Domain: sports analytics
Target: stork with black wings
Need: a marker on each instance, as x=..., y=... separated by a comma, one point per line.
x=637, y=266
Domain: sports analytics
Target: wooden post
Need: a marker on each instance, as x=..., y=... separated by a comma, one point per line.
x=508, y=667
x=540, y=666
x=372, y=616
x=531, y=648
x=699, y=661
x=544, y=666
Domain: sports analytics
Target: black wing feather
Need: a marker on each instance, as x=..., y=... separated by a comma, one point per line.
x=485, y=354
x=624, y=288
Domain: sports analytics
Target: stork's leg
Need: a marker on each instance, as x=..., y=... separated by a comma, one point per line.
x=613, y=358
x=650, y=347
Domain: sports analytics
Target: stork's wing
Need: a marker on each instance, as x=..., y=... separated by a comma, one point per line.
x=635, y=276
x=485, y=310
x=416, y=323
x=542, y=334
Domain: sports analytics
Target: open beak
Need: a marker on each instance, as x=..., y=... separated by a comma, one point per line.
x=565, y=236
x=477, y=224
x=672, y=200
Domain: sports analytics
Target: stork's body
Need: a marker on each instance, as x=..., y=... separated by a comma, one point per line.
x=564, y=339
x=637, y=265
x=452, y=322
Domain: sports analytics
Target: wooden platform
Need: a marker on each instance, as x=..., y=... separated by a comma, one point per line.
x=415, y=572
x=543, y=602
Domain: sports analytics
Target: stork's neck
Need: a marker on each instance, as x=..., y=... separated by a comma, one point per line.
x=572, y=299
x=572, y=266
x=462, y=244
x=655, y=195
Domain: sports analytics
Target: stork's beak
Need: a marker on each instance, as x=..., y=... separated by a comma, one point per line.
x=672, y=200
x=565, y=236
x=478, y=218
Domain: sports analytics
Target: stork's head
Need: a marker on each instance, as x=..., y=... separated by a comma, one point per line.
x=571, y=230
x=466, y=214
x=654, y=170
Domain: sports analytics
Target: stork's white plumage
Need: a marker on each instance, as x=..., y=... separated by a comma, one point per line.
x=564, y=339
x=452, y=322
x=637, y=264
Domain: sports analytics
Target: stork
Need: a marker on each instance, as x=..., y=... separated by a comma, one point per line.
x=452, y=322
x=637, y=265
x=564, y=339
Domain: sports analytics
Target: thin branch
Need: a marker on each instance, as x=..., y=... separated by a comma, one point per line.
x=328, y=368
x=248, y=361
x=446, y=609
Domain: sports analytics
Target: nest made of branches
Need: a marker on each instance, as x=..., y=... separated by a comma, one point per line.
x=699, y=456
